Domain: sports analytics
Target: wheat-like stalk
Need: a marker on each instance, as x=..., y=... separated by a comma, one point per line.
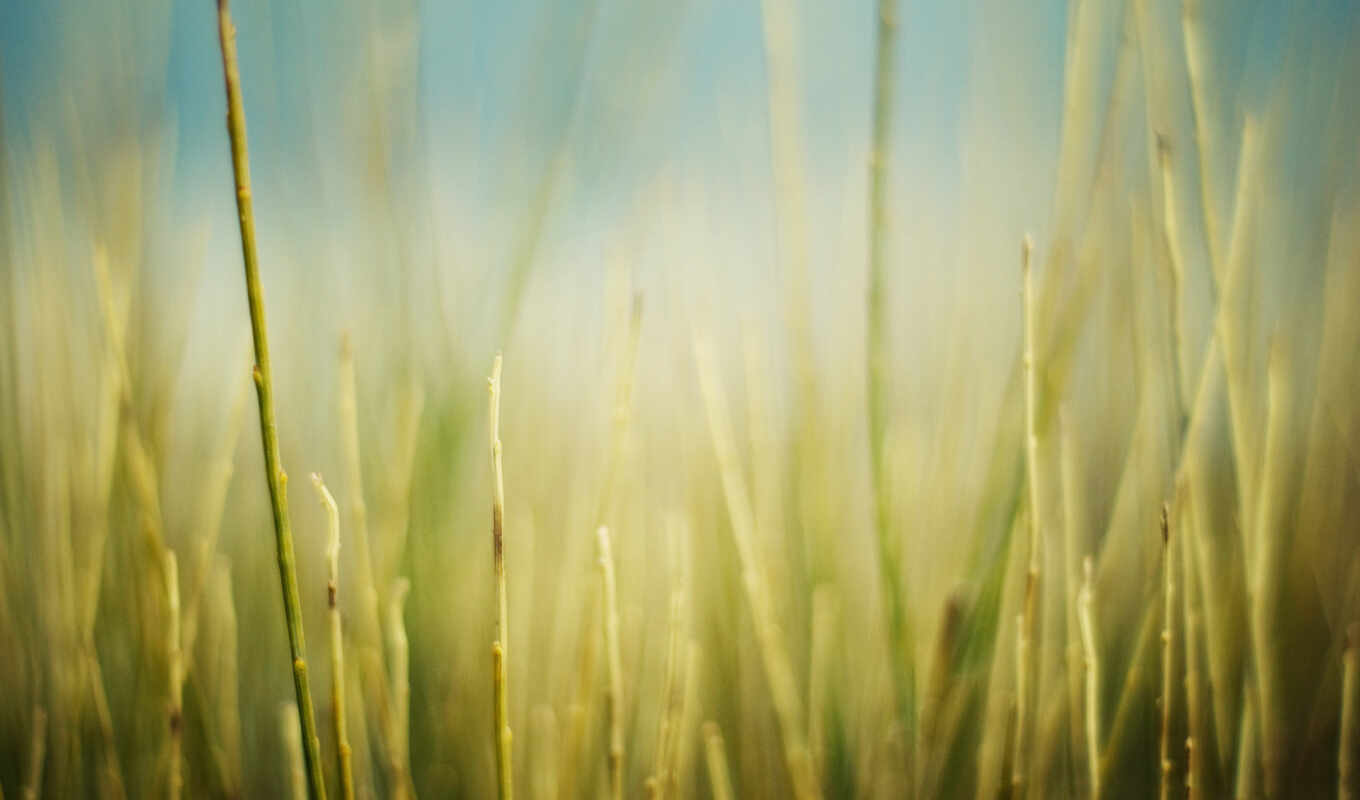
x=878, y=366
x=264, y=390
x=399, y=732
x=343, y=751
x=1348, y=751
x=1025, y=650
x=684, y=741
x=1169, y=574
x=1192, y=593
x=774, y=657
x=1086, y=619
x=668, y=719
x=372, y=669
x=1267, y=573
x=614, y=692
x=1247, y=783
x=37, y=755
x=500, y=692
x=175, y=678
x=718, y=775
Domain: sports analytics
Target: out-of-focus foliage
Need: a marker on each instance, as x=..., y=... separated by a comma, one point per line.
x=593, y=188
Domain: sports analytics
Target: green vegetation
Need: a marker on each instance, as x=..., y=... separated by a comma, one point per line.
x=734, y=553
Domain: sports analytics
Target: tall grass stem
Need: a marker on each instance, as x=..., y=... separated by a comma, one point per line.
x=264, y=389
x=343, y=751
x=499, y=647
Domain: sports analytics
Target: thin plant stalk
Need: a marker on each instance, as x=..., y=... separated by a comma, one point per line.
x=790, y=192
x=1025, y=637
x=889, y=548
x=1248, y=746
x=264, y=389
x=1206, y=131
x=372, y=668
x=176, y=679
x=1018, y=737
x=1168, y=651
x=37, y=755
x=216, y=486
x=229, y=697
x=358, y=509
x=1195, y=738
x=614, y=692
x=1086, y=620
x=1348, y=752
x=825, y=614
x=499, y=646
x=682, y=744
x=1176, y=261
x=770, y=644
x=1128, y=704
x=1073, y=516
x=668, y=718
x=343, y=752
x=720, y=779
x=398, y=735
x=938, y=706
x=578, y=712
x=1268, y=571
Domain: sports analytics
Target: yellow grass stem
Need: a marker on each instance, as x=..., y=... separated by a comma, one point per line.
x=372, y=668
x=774, y=657
x=1195, y=754
x=1267, y=577
x=500, y=691
x=578, y=711
x=1086, y=620
x=1073, y=517
x=264, y=389
x=1129, y=692
x=37, y=755
x=175, y=785
x=399, y=734
x=1206, y=129
x=938, y=706
x=228, y=700
x=343, y=752
x=1248, y=745
x=790, y=189
x=1169, y=574
x=877, y=365
x=1176, y=260
x=354, y=481
x=1018, y=737
x=613, y=697
x=720, y=779
x=683, y=742
x=1026, y=651
x=209, y=527
x=1348, y=751
x=825, y=614
x=668, y=716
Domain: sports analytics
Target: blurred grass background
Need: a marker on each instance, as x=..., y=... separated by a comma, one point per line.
x=604, y=191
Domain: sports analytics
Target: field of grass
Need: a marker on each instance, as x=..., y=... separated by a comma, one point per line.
x=546, y=480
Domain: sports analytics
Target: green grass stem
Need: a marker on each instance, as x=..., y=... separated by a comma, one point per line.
x=264, y=390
